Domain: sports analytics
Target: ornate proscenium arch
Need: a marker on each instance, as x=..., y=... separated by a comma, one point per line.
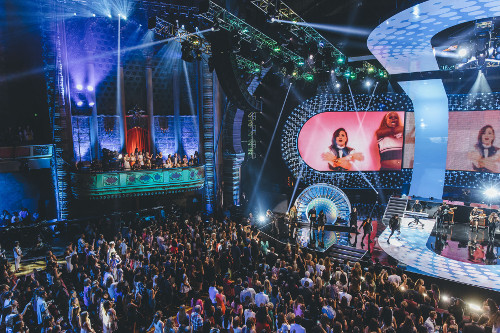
x=324, y=197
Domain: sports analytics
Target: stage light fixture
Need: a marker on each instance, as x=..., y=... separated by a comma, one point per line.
x=262, y=218
x=79, y=103
x=79, y=87
x=368, y=83
x=91, y=104
x=309, y=77
x=337, y=85
x=93, y=15
x=474, y=307
x=340, y=60
x=490, y=192
x=74, y=14
x=277, y=48
x=371, y=70
x=109, y=15
x=445, y=298
x=463, y=52
x=90, y=88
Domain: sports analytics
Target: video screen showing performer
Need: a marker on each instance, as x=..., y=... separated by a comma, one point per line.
x=390, y=142
x=347, y=141
x=484, y=157
x=472, y=142
x=340, y=156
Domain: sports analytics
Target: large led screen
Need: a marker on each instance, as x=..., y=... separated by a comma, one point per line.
x=472, y=145
x=353, y=141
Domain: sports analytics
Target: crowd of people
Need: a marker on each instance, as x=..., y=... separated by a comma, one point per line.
x=143, y=160
x=181, y=273
x=17, y=218
x=139, y=160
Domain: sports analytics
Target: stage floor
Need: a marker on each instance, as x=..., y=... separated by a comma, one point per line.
x=460, y=242
x=413, y=251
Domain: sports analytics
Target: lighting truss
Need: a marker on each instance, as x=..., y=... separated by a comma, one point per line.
x=227, y=21
x=285, y=13
x=252, y=129
x=247, y=65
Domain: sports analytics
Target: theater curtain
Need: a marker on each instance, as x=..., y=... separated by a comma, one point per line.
x=137, y=138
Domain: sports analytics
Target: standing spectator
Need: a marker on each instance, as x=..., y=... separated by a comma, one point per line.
x=430, y=323
x=18, y=253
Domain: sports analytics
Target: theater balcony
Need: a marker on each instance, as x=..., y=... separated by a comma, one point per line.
x=19, y=158
x=122, y=184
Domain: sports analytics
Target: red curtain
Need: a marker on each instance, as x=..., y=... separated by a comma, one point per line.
x=137, y=138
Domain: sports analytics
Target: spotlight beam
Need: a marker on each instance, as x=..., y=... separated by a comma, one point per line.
x=330, y=27
x=296, y=186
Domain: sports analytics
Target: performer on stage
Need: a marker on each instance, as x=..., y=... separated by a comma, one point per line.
x=271, y=219
x=492, y=225
x=417, y=207
x=367, y=229
x=474, y=218
x=312, y=222
x=395, y=225
x=353, y=221
x=292, y=215
x=321, y=225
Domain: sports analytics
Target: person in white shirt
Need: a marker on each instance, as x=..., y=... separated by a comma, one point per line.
x=248, y=313
x=123, y=248
x=212, y=293
x=111, y=251
x=394, y=278
x=295, y=326
x=17, y=256
x=430, y=323
x=261, y=298
x=81, y=244
x=346, y=295
x=247, y=292
x=42, y=309
x=306, y=278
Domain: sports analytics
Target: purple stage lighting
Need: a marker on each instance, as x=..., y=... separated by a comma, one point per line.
x=79, y=103
x=90, y=88
x=79, y=87
x=91, y=104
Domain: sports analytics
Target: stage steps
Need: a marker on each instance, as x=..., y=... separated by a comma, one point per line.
x=395, y=205
x=342, y=252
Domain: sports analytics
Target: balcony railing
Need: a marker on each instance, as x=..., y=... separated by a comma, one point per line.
x=119, y=184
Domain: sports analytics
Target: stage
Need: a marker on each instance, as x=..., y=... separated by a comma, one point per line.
x=413, y=251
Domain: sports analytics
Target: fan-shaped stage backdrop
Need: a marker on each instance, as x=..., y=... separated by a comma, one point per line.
x=332, y=200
